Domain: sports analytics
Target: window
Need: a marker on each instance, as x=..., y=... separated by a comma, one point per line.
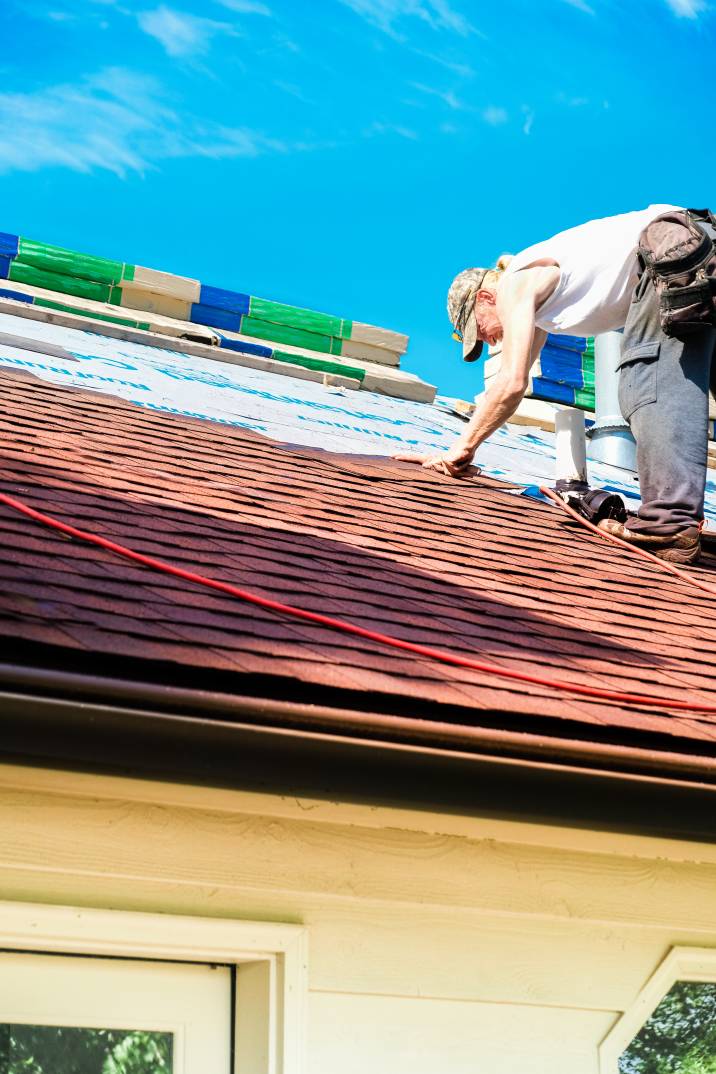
x=63, y=1015
x=100, y=992
x=671, y=1029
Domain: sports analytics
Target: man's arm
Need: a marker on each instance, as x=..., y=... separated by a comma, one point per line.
x=521, y=345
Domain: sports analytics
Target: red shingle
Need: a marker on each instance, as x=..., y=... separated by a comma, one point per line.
x=462, y=566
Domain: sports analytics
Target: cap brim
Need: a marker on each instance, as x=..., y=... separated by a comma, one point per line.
x=471, y=345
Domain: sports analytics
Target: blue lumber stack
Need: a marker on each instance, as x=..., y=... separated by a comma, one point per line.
x=566, y=372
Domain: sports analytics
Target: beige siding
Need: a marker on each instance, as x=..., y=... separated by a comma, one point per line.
x=431, y=1037
x=437, y=944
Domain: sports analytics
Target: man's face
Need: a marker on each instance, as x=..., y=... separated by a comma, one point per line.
x=489, y=325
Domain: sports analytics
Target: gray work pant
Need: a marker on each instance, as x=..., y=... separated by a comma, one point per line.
x=664, y=395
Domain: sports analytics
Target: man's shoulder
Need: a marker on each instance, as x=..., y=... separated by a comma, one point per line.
x=534, y=282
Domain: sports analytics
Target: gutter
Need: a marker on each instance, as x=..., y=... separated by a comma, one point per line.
x=22, y=688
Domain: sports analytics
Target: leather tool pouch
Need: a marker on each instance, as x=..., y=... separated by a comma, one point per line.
x=680, y=257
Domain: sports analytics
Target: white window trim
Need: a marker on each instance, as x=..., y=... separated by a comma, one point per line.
x=681, y=964
x=272, y=962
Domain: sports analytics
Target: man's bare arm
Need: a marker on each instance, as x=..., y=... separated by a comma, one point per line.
x=521, y=346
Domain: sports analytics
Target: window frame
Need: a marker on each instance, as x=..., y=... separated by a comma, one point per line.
x=693, y=964
x=271, y=963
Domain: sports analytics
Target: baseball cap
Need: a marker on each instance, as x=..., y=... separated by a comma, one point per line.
x=461, y=310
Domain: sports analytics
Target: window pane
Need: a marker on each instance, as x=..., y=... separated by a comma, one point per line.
x=31, y=1049
x=680, y=1036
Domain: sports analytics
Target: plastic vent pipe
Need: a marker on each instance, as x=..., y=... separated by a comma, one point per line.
x=571, y=446
x=610, y=438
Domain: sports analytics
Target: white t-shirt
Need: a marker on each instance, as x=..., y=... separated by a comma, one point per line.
x=598, y=270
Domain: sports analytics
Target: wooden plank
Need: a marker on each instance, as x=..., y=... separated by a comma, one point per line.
x=255, y=1014
x=157, y=322
x=467, y=955
x=392, y=868
x=137, y=298
x=94, y=786
x=385, y=380
x=164, y=283
x=380, y=355
x=535, y=412
x=442, y=954
x=175, y=343
x=379, y=337
x=412, y=388
x=387, y=1035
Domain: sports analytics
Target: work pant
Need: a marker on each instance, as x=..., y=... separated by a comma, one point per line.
x=664, y=395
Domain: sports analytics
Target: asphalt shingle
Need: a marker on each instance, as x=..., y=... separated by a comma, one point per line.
x=457, y=565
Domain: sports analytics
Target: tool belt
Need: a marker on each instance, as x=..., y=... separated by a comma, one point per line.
x=679, y=256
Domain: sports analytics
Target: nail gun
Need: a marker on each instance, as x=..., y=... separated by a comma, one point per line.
x=592, y=504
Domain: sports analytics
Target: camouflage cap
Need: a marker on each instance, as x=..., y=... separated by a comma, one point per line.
x=461, y=310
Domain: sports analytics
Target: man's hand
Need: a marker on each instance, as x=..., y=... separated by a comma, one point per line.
x=455, y=462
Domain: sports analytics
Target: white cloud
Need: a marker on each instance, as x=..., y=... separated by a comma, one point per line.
x=246, y=7
x=687, y=9
x=529, y=119
x=115, y=121
x=447, y=97
x=571, y=102
x=390, y=128
x=462, y=70
x=384, y=14
x=495, y=116
x=181, y=34
x=293, y=91
x=582, y=5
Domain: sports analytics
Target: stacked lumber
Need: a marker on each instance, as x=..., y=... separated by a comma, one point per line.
x=117, y=292
x=320, y=332
x=564, y=373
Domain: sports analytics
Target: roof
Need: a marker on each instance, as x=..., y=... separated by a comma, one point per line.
x=465, y=566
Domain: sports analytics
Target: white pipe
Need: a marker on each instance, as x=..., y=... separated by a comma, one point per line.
x=610, y=439
x=571, y=445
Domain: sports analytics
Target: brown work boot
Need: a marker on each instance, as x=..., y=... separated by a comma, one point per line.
x=683, y=547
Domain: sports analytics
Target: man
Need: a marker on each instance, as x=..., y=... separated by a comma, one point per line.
x=583, y=282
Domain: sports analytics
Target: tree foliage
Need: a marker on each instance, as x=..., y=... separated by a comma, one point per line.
x=140, y=1053
x=680, y=1036
x=27, y=1049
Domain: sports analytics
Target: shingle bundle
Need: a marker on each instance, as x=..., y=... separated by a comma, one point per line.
x=162, y=302
x=566, y=372
x=298, y=327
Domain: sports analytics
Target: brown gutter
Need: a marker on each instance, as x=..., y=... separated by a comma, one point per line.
x=391, y=732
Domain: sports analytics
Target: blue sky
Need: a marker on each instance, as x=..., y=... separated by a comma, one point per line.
x=348, y=155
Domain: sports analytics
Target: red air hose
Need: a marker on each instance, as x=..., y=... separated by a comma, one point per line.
x=349, y=628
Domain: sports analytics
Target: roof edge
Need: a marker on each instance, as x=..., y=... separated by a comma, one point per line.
x=24, y=685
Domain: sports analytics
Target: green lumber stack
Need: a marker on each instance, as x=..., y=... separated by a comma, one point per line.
x=129, y=295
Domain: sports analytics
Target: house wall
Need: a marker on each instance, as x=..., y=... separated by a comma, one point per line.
x=438, y=944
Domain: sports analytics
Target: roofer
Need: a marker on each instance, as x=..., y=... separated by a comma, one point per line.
x=585, y=281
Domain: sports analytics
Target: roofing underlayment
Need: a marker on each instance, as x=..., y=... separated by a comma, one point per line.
x=282, y=484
